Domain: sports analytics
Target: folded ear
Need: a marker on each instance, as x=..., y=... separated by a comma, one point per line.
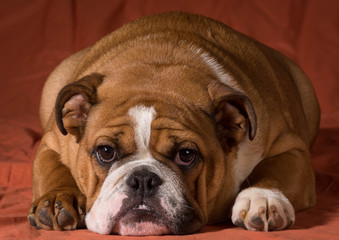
x=73, y=103
x=235, y=115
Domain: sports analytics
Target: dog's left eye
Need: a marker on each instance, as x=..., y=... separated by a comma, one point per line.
x=185, y=157
x=106, y=154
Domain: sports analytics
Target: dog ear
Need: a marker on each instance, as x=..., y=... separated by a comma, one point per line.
x=73, y=103
x=234, y=113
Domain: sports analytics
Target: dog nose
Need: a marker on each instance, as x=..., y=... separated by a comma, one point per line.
x=144, y=182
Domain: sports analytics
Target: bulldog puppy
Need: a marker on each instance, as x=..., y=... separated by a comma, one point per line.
x=172, y=122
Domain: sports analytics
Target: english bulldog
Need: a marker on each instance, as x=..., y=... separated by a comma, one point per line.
x=172, y=122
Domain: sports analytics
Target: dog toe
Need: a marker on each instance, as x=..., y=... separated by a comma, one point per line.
x=31, y=216
x=275, y=220
x=44, y=213
x=45, y=218
x=241, y=218
x=69, y=211
x=65, y=220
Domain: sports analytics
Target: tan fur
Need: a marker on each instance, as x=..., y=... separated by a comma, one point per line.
x=156, y=61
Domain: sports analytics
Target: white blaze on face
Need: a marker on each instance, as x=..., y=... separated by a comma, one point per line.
x=142, y=117
x=103, y=218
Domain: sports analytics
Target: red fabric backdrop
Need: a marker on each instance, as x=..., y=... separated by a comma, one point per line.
x=36, y=35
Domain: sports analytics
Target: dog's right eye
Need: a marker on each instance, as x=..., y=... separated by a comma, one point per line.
x=106, y=154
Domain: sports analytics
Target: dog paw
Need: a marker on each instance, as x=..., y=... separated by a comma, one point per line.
x=58, y=210
x=261, y=209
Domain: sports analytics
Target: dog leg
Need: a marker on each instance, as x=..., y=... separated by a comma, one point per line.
x=57, y=202
x=278, y=186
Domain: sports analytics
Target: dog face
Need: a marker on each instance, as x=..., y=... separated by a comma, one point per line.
x=143, y=189
x=159, y=161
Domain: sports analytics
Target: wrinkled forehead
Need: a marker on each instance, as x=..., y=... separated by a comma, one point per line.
x=143, y=117
x=137, y=119
x=147, y=127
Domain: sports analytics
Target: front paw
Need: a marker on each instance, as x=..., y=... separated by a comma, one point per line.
x=262, y=210
x=62, y=209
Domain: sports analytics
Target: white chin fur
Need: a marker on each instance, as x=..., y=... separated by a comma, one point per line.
x=104, y=209
x=140, y=229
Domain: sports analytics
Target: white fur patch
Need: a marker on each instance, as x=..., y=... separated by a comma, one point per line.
x=251, y=201
x=218, y=70
x=142, y=117
x=106, y=206
x=141, y=229
x=248, y=157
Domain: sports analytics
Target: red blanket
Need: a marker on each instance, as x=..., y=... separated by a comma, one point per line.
x=36, y=35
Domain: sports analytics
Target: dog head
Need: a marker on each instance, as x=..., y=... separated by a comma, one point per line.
x=152, y=161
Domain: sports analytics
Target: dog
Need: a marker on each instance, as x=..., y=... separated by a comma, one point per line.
x=172, y=122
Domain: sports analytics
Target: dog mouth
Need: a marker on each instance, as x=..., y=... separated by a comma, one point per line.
x=141, y=220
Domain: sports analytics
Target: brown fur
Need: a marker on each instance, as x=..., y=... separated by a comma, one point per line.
x=278, y=110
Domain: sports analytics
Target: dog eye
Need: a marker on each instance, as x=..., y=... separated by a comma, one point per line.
x=105, y=154
x=185, y=157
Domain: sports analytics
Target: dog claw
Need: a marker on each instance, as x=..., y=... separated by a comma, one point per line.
x=32, y=210
x=243, y=215
x=45, y=203
x=81, y=211
x=58, y=205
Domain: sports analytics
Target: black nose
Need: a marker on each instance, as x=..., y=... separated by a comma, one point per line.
x=144, y=183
